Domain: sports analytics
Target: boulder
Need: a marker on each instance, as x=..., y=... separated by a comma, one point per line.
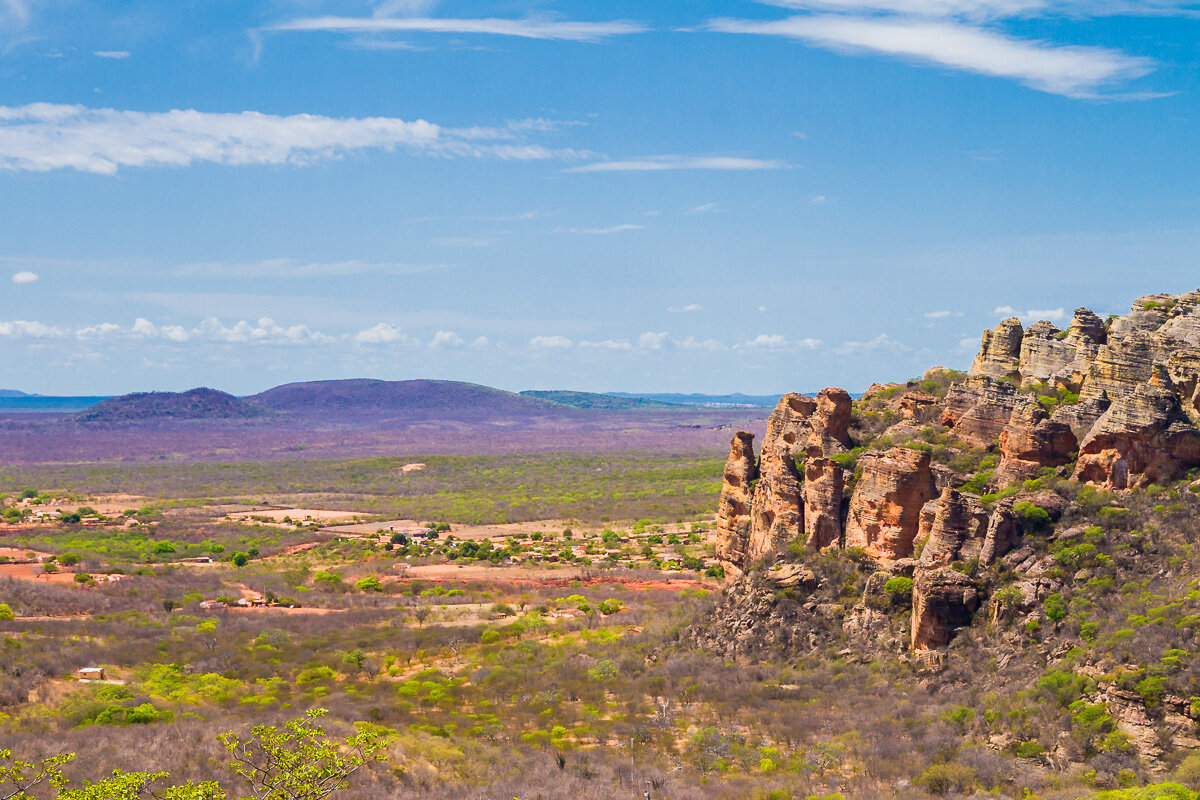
x=944, y=601
x=1144, y=437
x=735, y=502
x=1030, y=441
x=885, y=508
x=978, y=408
x=1000, y=351
x=824, y=482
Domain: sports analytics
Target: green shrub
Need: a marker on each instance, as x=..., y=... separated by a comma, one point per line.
x=946, y=778
x=6, y=613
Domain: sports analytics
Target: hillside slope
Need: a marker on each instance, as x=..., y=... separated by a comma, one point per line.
x=200, y=404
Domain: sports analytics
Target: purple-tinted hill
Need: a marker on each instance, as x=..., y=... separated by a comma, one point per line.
x=156, y=407
x=362, y=400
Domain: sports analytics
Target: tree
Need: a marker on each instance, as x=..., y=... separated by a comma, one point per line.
x=6, y=615
x=299, y=761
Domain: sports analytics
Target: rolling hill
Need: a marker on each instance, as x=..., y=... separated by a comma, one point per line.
x=154, y=407
x=361, y=400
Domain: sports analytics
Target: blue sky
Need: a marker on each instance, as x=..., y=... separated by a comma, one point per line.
x=713, y=196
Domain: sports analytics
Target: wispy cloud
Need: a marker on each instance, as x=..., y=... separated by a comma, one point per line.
x=291, y=268
x=529, y=28
x=880, y=343
x=1031, y=315
x=942, y=314
x=1058, y=69
x=46, y=136
x=116, y=55
x=265, y=331
x=602, y=231
x=551, y=342
x=677, y=162
x=706, y=208
x=689, y=308
x=775, y=341
x=25, y=276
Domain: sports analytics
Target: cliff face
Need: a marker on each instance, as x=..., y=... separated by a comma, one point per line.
x=885, y=509
x=1138, y=385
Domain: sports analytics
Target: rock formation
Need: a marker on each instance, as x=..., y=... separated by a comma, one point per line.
x=978, y=408
x=777, y=510
x=1000, y=351
x=1145, y=437
x=735, y=502
x=1031, y=441
x=1138, y=382
x=943, y=601
x=824, y=482
x=957, y=531
x=885, y=508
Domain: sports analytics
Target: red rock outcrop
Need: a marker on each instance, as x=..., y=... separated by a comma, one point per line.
x=957, y=531
x=735, y=502
x=885, y=508
x=1062, y=358
x=817, y=426
x=824, y=482
x=1002, y=533
x=978, y=408
x=1031, y=441
x=777, y=510
x=1145, y=437
x=1082, y=416
x=943, y=602
x=1000, y=351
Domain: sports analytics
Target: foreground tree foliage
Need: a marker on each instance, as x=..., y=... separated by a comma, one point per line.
x=299, y=761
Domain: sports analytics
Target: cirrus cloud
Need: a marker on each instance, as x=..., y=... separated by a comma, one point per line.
x=47, y=136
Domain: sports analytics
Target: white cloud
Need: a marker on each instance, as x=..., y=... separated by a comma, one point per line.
x=14, y=12
x=652, y=341
x=677, y=162
x=24, y=329
x=942, y=314
x=818, y=199
x=567, y=30
x=707, y=208
x=602, y=231
x=481, y=341
x=881, y=343
x=607, y=344
x=551, y=342
x=1031, y=315
x=290, y=268
x=692, y=343
x=25, y=276
x=117, y=55
x=931, y=8
x=383, y=333
x=775, y=341
x=446, y=339
x=1072, y=71
x=47, y=136
x=689, y=308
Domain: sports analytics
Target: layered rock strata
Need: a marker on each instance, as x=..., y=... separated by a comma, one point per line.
x=885, y=509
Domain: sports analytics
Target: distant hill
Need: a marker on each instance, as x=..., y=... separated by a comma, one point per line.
x=600, y=402
x=152, y=407
x=708, y=400
x=363, y=399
